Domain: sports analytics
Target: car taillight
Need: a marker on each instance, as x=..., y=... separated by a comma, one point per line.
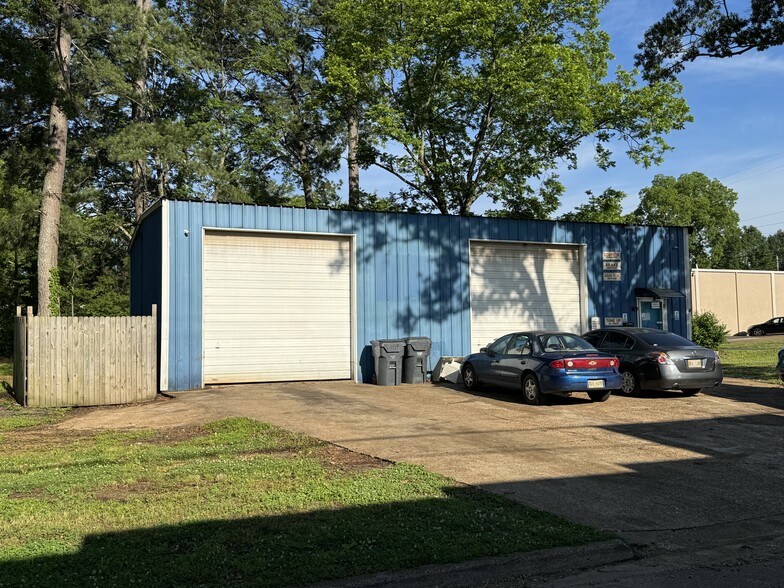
x=716, y=353
x=583, y=363
x=661, y=357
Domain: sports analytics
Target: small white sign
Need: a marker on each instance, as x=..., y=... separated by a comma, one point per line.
x=613, y=321
x=595, y=323
x=676, y=314
x=612, y=265
x=646, y=316
x=625, y=317
x=611, y=255
x=655, y=304
x=612, y=276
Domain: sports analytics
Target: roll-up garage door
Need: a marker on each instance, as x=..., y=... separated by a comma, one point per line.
x=276, y=307
x=521, y=286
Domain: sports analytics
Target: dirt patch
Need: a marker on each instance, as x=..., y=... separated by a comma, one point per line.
x=124, y=492
x=40, y=438
x=171, y=435
x=35, y=493
x=346, y=460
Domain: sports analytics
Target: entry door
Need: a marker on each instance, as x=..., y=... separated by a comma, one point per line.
x=652, y=313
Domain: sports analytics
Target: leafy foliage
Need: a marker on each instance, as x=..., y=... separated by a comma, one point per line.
x=708, y=330
x=693, y=200
x=749, y=250
x=486, y=98
x=708, y=28
x=604, y=208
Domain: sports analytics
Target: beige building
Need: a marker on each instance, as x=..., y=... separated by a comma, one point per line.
x=740, y=298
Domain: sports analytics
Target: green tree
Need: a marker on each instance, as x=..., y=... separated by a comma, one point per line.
x=477, y=98
x=750, y=250
x=776, y=244
x=287, y=59
x=604, y=208
x=693, y=200
x=19, y=206
x=708, y=28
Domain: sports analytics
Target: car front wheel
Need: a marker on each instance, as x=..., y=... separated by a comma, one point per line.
x=629, y=383
x=531, y=392
x=757, y=332
x=470, y=381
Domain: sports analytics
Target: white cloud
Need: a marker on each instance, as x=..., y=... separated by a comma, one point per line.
x=757, y=65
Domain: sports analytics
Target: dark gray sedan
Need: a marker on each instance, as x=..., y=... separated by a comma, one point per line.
x=652, y=359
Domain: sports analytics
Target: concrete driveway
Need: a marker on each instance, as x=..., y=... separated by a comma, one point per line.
x=656, y=468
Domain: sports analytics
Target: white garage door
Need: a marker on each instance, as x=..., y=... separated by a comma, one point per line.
x=520, y=286
x=276, y=307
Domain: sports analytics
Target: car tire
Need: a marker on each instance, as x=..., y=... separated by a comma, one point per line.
x=470, y=379
x=532, y=394
x=630, y=384
x=599, y=395
x=691, y=391
x=757, y=332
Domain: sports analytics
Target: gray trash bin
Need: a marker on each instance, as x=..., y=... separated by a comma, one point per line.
x=416, y=359
x=388, y=361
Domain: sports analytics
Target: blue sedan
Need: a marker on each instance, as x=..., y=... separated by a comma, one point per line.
x=540, y=363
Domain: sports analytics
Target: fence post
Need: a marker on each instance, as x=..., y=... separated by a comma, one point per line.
x=20, y=358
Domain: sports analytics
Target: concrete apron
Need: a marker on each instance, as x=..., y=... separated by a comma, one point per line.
x=654, y=468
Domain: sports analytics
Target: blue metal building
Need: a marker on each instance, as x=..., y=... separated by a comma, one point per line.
x=256, y=293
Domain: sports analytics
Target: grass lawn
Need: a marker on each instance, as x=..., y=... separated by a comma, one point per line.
x=237, y=503
x=753, y=359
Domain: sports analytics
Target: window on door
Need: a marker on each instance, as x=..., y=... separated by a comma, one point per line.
x=652, y=313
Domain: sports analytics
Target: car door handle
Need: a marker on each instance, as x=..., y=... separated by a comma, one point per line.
x=523, y=361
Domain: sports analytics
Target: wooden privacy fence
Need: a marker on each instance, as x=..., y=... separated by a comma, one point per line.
x=84, y=361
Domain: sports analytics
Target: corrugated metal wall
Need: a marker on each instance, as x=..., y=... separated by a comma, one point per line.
x=412, y=271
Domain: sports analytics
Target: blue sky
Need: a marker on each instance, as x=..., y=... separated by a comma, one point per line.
x=737, y=135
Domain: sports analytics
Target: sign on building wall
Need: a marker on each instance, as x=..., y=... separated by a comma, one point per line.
x=611, y=264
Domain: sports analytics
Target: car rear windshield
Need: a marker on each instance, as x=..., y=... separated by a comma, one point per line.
x=563, y=342
x=666, y=340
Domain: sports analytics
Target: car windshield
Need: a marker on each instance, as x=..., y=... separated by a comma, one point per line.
x=666, y=340
x=563, y=342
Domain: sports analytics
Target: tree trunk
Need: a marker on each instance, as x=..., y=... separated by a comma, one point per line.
x=141, y=194
x=52, y=193
x=304, y=173
x=353, y=165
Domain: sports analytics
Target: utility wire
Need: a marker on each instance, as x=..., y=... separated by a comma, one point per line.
x=771, y=224
x=755, y=175
x=762, y=216
x=740, y=171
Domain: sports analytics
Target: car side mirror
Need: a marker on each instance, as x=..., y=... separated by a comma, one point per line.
x=483, y=350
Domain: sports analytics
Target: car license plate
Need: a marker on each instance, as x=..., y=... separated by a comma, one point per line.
x=596, y=383
x=695, y=363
